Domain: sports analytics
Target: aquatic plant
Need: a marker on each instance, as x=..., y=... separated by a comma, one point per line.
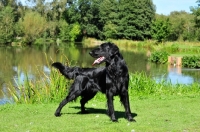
x=159, y=57
x=191, y=61
x=54, y=88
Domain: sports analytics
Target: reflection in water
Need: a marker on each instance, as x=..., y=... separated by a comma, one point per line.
x=175, y=76
x=17, y=62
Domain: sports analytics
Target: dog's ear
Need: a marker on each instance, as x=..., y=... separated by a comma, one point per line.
x=114, y=49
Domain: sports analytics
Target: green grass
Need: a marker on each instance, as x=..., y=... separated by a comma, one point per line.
x=159, y=107
x=175, y=114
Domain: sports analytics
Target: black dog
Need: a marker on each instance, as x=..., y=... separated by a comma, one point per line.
x=111, y=80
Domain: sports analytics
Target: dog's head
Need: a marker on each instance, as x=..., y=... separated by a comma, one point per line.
x=104, y=53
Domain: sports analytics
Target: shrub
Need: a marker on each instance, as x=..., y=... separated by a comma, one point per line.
x=159, y=57
x=191, y=61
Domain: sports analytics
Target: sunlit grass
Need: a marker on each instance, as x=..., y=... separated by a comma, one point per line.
x=172, y=113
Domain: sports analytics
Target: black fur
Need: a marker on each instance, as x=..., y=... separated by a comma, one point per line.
x=112, y=80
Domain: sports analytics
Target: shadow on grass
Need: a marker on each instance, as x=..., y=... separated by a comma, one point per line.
x=118, y=114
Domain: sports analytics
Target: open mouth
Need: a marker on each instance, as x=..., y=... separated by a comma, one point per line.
x=98, y=60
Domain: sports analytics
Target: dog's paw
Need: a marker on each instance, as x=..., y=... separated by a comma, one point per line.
x=57, y=114
x=84, y=112
x=131, y=119
x=114, y=120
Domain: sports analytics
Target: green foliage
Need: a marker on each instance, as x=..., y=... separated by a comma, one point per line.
x=105, y=19
x=160, y=30
x=135, y=19
x=159, y=57
x=64, y=30
x=113, y=19
x=196, y=13
x=108, y=18
x=191, y=61
x=52, y=29
x=6, y=25
x=68, y=32
x=88, y=17
x=33, y=26
x=181, y=25
x=127, y=19
x=174, y=48
x=74, y=32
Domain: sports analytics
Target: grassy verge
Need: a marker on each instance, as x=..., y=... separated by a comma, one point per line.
x=159, y=107
x=153, y=114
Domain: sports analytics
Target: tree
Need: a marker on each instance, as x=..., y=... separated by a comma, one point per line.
x=181, y=25
x=108, y=22
x=6, y=25
x=196, y=13
x=33, y=26
x=160, y=29
x=68, y=32
x=89, y=17
x=127, y=19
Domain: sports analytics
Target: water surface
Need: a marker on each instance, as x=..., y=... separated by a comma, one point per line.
x=18, y=61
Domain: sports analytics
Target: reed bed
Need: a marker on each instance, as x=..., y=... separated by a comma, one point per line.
x=54, y=87
x=142, y=85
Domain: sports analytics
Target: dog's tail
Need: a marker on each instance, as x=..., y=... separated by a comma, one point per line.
x=64, y=70
x=59, y=66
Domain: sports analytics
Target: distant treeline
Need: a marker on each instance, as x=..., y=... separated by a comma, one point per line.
x=72, y=20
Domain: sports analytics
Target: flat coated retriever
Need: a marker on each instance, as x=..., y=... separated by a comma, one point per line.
x=113, y=79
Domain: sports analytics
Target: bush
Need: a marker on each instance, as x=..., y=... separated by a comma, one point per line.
x=159, y=57
x=191, y=61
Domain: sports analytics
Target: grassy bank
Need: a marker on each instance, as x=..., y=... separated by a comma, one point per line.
x=153, y=114
x=177, y=48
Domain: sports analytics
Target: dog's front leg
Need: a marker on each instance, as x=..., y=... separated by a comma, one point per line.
x=125, y=101
x=111, y=112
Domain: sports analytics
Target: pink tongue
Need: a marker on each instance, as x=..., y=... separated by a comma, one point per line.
x=98, y=60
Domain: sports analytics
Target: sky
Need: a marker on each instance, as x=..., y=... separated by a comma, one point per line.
x=166, y=6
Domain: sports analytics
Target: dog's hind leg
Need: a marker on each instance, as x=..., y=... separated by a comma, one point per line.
x=86, y=96
x=69, y=98
x=75, y=91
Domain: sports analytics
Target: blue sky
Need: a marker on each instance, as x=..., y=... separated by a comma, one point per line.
x=166, y=6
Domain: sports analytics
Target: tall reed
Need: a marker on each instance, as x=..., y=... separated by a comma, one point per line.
x=48, y=87
x=54, y=87
x=142, y=85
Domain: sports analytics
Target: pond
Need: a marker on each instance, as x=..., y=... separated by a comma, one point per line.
x=16, y=62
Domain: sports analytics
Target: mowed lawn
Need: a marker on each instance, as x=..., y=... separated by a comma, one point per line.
x=154, y=114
